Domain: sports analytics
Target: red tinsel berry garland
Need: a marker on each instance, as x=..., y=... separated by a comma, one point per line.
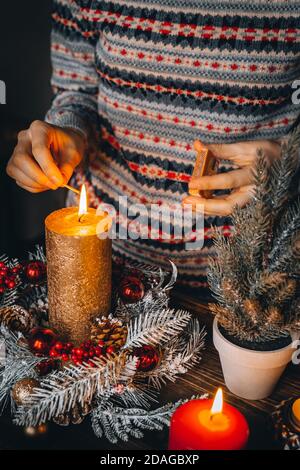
x=84, y=353
x=8, y=277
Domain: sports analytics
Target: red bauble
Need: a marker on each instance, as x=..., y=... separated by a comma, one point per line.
x=45, y=367
x=41, y=340
x=148, y=358
x=131, y=289
x=35, y=271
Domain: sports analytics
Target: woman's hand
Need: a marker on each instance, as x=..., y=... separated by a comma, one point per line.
x=240, y=181
x=45, y=156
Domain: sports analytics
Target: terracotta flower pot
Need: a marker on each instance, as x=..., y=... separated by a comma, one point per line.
x=250, y=374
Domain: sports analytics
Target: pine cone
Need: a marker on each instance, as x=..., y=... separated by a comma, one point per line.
x=74, y=416
x=16, y=318
x=109, y=330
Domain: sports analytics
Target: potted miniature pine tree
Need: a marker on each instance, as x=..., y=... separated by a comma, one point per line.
x=255, y=279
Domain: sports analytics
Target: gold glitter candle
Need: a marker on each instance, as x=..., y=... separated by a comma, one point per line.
x=79, y=271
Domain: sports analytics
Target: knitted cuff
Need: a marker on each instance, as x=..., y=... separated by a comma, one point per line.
x=68, y=119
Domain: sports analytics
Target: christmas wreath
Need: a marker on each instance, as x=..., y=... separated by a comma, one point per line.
x=115, y=375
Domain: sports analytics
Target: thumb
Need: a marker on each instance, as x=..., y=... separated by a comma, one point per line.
x=70, y=151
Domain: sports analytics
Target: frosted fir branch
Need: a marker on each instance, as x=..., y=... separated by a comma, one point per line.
x=288, y=227
x=37, y=294
x=117, y=423
x=265, y=282
x=38, y=254
x=283, y=170
x=61, y=391
x=19, y=363
x=130, y=395
x=228, y=265
x=288, y=262
x=214, y=278
x=180, y=356
x=13, y=372
x=127, y=312
x=10, y=296
x=156, y=327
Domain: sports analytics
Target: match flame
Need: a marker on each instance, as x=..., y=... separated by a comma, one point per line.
x=82, y=202
x=217, y=406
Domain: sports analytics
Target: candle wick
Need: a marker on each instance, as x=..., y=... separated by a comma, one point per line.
x=80, y=218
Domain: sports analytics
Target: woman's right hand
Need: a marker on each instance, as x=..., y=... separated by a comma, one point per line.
x=45, y=156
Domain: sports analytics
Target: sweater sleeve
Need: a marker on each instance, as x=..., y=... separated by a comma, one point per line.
x=74, y=77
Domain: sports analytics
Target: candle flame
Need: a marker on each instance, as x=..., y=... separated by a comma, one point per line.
x=217, y=405
x=82, y=202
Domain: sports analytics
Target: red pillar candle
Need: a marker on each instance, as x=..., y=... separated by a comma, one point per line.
x=208, y=425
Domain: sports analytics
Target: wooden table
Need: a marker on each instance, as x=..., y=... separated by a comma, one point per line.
x=202, y=379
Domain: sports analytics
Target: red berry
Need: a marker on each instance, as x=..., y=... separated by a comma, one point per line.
x=78, y=352
x=2, y=290
x=16, y=269
x=3, y=271
x=100, y=342
x=2, y=265
x=87, y=344
x=92, y=352
x=58, y=346
x=86, y=355
x=11, y=284
x=98, y=351
x=65, y=357
x=110, y=350
x=69, y=346
x=53, y=353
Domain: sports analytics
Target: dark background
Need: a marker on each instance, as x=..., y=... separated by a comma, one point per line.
x=25, y=68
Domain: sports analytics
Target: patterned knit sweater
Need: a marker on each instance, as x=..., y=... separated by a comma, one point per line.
x=150, y=76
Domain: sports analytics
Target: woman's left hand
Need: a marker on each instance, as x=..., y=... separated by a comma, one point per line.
x=239, y=181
